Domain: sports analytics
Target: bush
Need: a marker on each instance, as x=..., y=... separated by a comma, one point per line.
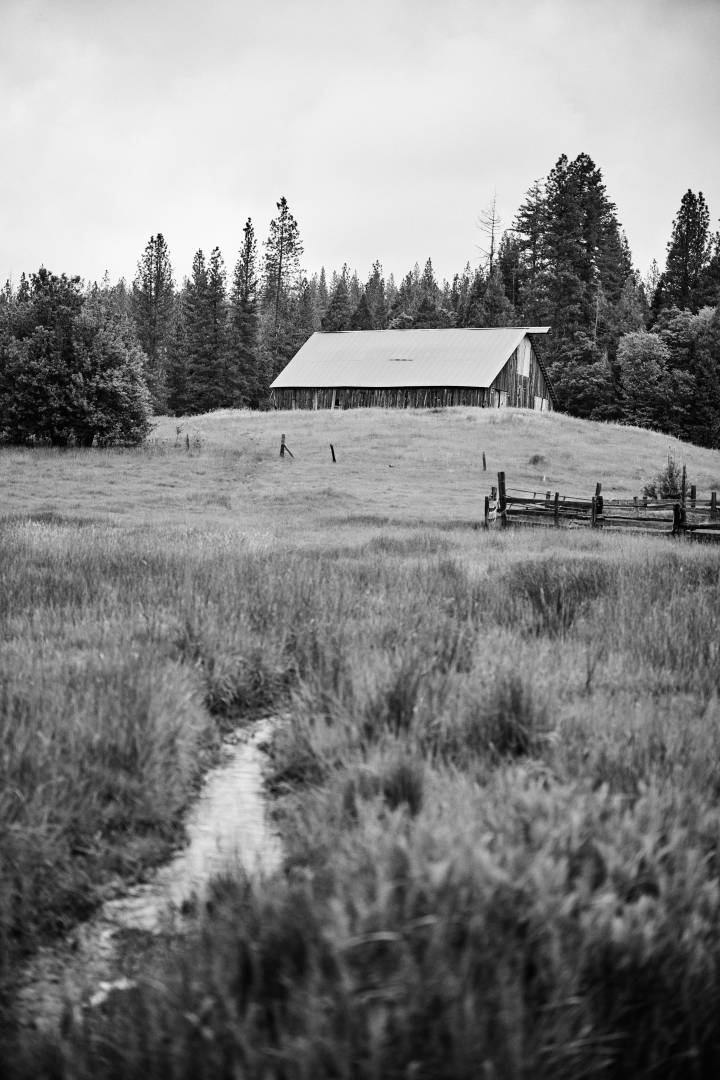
x=69, y=375
x=668, y=482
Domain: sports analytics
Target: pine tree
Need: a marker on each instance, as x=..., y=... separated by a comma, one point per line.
x=323, y=296
x=404, y=306
x=153, y=297
x=427, y=314
x=304, y=315
x=281, y=276
x=473, y=310
x=245, y=383
x=283, y=249
x=178, y=390
x=355, y=290
x=197, y=320
x=459, y=294
x=688, y=253
x=217, y=309
x=340, y=309
x=376, y=297
x=362, y=315
x=496, y=308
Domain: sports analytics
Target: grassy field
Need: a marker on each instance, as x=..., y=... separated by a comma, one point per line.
x=498, y=789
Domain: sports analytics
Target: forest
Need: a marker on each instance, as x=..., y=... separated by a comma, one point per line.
x=91, y=362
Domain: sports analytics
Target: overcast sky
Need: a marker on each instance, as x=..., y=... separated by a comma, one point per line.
x=388, y=126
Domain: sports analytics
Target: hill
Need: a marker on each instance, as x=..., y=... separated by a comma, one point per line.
x=223, y=468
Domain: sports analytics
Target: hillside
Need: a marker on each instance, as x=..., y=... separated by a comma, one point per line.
x=408, y=467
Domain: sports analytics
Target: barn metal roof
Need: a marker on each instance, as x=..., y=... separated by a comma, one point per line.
x=465, y=357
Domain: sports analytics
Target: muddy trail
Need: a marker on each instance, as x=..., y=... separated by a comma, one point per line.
x=227, y=828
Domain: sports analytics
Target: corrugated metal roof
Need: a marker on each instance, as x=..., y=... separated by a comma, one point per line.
x=387, y=358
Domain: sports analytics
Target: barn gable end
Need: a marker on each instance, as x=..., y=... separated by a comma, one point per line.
x=523, y=381
x=416, y=369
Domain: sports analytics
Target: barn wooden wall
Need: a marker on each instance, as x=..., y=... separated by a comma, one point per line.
x=522, y=379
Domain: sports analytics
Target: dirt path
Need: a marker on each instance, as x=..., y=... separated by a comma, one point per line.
x=227, y=827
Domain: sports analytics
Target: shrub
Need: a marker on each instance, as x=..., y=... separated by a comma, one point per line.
x=668, y=482
x=68, y=375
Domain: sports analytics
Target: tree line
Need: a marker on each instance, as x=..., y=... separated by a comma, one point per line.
x=646, y=351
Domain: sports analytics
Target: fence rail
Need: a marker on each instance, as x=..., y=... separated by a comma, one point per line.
x=688, y=515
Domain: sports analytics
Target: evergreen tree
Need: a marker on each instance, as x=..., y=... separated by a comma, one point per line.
x=178, y=389
x=217, y=311
x=323, y=297
x=204, y=319
x=303, y=315
x=153, y=296
x=402, y=312
x=688, y=253
x=281, y=276
x=246, y=386
x=339, y=313
x=355, y=290
x=283, y=249
x=427, y=313
x=200, y=384
x=509, y=268
x=376, y=298
x=496, y=308
x=459, y=291
x=473, y=313
x=391, y=292
x=527, y=291
x=362, y=315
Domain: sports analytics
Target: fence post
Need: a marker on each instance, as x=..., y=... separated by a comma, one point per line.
x=713, y=505
x=332, y=451
x=684, y=484
x=593, y=512
x=556, y=510
x=502, y=503
x=282, y=445
x=693, y=494
x=676, y=519
x=484, y=463
x=598, y=498
x=487, y=511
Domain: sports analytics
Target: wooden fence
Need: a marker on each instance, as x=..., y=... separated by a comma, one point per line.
x=698, y=519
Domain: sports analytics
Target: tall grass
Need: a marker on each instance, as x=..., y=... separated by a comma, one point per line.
x=497, y=787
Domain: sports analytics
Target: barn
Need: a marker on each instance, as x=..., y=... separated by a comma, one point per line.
x=494, y=367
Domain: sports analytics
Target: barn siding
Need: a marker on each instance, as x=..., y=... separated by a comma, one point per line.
x=522, y=379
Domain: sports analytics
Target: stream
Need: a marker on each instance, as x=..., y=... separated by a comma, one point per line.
x=227, y=828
